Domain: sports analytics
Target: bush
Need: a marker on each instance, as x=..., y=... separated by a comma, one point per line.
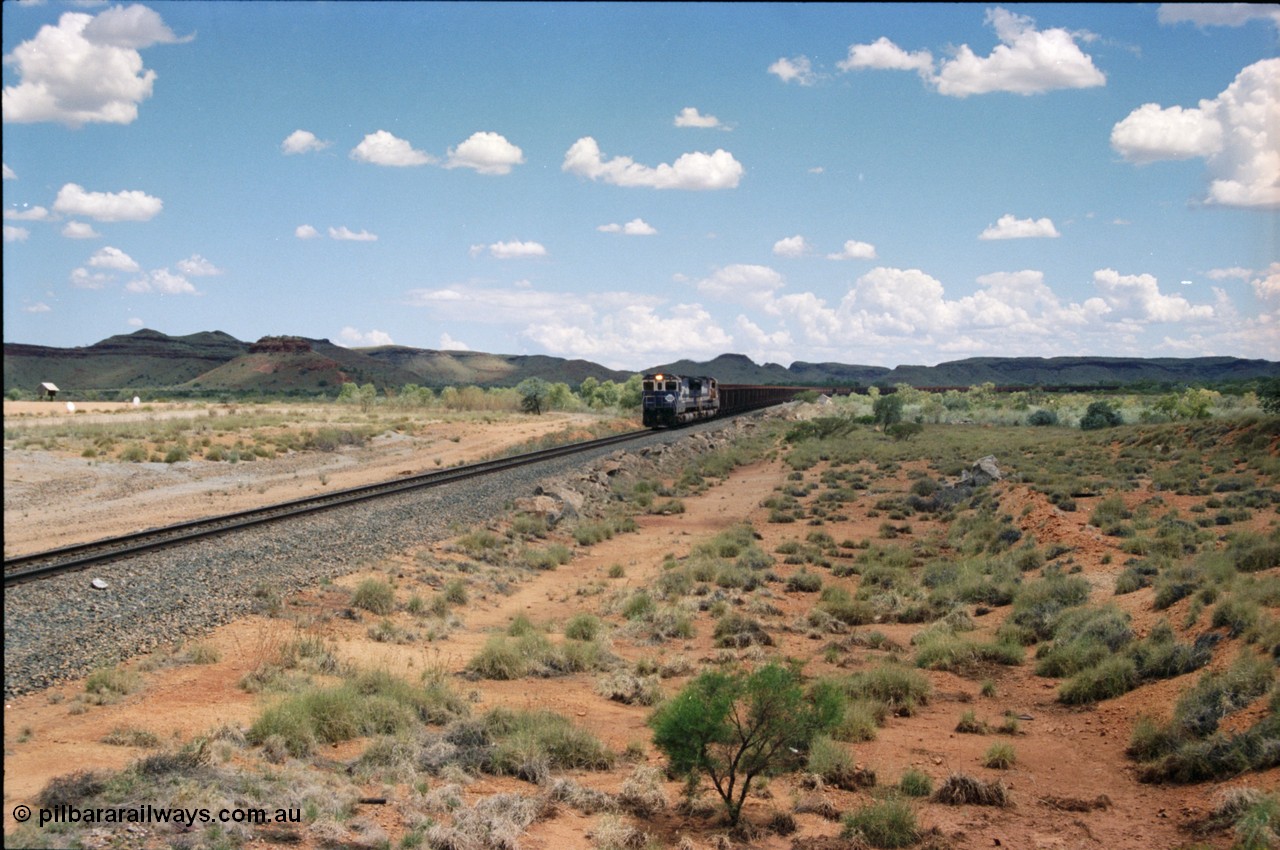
x=1099, y=415
x=527, y=744
x=583, y=627
x=804, y=582
x=1042, y=418
x=834, y=763
x=915, y=783
x=1111, y=677
x=1000, y=757
x=738, y=630
x=898, y=688
x=375, y=596
x=889, y=823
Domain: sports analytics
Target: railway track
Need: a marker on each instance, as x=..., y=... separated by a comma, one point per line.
x=40, y=565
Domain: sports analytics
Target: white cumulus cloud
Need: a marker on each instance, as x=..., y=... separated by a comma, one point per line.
x=1139, y=297
x=32, y=214
x=1237, y=133
x=79, y=230
x=382, y=148
x=161, y=282
x=635, y=227
x=82, y=278
x=133, y=27
x=345, y=234
x=38, y=307
x=1152, y=133
x=306, y=231
x=302, y=141
x=855, y=250
x=516, y=250
x=15, y=234
x=884, y=54
x=487, y=153
x=690, y=117
x=791, y=246
x=350, y=337
x=797, y=69
x=692, y=171
x=742, y=282
x=1027, y=61
x=113, y=258
x=85, y=69
x=1009, y=227
x=9, y=173
x=198, y=266
x=448, y=343
x=132, y=205
x=1267, y=285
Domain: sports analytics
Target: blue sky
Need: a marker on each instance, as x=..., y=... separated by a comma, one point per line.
x=631, y=184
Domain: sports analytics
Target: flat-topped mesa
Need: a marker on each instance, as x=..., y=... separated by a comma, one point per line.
x=280, y=345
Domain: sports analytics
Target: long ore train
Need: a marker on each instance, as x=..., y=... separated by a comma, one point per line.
x=670, y=400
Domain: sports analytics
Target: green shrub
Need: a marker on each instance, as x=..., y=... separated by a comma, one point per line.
x=549, y=558
x=834, y=763
x=109, y=683
x=1000, y=756
x=1041, y=418
x=455, y=591
x=804, y=582
x=375, y=596
x=528, y=744
x=1219, y=693
x=738, y=630
x=1109, y=678
x=583, y=627
x=1038, y=604
x=887, y=823
x=899, y=688
x=1099, y=415
x=915, y=783
x=638, y=606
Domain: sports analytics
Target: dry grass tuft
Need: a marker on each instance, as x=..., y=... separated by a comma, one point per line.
x=961, y=790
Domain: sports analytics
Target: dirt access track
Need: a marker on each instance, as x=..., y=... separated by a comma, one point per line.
x=1071, y=785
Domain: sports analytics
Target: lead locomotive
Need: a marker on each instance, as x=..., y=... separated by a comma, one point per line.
x=673, y=399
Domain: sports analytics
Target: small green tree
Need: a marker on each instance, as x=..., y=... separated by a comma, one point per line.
x=560, y=397
x=737, y=726
x=534, y=394
x=606, y=395
x=631, y=393
x=587, y=390
x=887, y=409
x=1269, y=394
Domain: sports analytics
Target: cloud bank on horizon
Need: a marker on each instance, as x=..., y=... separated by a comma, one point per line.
x=1090, y=179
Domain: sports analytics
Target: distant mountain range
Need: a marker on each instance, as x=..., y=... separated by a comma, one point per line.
x=215, y=362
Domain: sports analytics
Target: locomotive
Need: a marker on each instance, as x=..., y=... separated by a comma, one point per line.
x=674, y=399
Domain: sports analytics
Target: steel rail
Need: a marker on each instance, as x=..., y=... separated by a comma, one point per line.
x=39, y=565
